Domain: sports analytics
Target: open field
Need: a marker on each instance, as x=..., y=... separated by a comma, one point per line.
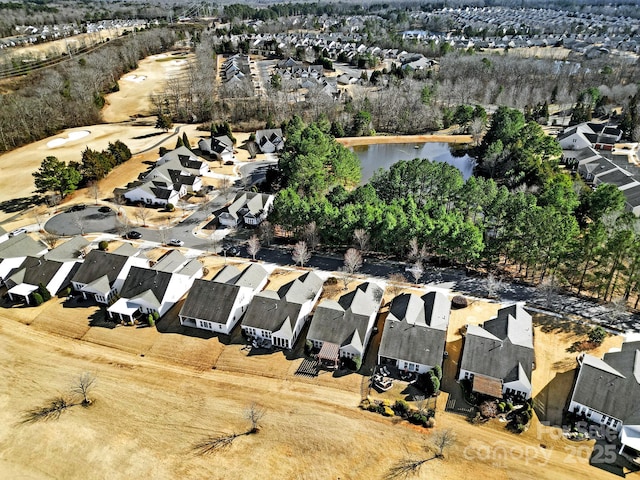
x=157, y=396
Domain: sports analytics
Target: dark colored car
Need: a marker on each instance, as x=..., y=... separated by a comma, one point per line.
x=104, y=209
x=231, y=251
x=77, y=208
x=133, y=235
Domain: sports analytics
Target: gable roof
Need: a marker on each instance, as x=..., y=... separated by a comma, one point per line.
x=210, y=300
x=416, y=328
x=34, y=271
x=270, y=310
x=611, y=385
x=502, y=347
x=21, y=246
x=69, y=250
x=347, y=321
x=142, y=280
x=99, y=264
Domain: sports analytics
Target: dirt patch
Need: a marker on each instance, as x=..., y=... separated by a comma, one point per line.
x=354, y=141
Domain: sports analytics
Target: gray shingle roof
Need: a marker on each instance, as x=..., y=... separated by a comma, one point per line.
x=21, y=246
x=210, y=300
x=141, y=280
x=501, y=345
x=612, y=385
x=33, y=271
x=97, y=264
x=346, y=321
x=416, y=328
x=69, y=250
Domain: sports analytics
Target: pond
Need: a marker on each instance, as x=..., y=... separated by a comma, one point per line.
x=373, y=157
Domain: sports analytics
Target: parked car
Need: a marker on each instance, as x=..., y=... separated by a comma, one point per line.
x=104, y=209
x=77, y=208
x=174, y=242
x=231, y=251
x=17, y=231
x=133, y=235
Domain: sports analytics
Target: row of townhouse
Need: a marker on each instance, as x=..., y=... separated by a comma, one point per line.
x=590, y=148
x=125, y=281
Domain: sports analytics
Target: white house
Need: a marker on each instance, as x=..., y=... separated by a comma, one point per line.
x=156, y=289
x=497, y=357
x=24, y=281
x=270, y=140
x=606, y=392
x=221, y=147
x=15, y=250
x=279, y=316
x=415, y=332
x=102, y=274
x=218, y=305
x=155, y=193
x=347, y=323
x=250, y=208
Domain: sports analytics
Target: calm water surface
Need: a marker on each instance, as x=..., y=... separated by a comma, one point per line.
x=373, y=157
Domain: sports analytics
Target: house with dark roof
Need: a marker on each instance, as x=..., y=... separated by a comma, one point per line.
x=498, y=356
x=156, y=289
x=53, y=275
x=102, y=274
x=15, y=250
x=250, y=208
x=270, y=140
x=606, y=392
x=221, y=147
x=415, y=332
x=279, y=316
x=218, y=304
x=346, y=324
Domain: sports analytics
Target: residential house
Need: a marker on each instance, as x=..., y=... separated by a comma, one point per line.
x=606, y=392
x=343, y=328
x=415, y=332
x=15, y=250
x=34, y=271
x=270, y=140
x=250, y=208
x=279, y=316
x=498, y=357
x=218, y=304
x=71, y=250
x=155, y=290
x=156, y=193
x=221, y=147
x=102, y=274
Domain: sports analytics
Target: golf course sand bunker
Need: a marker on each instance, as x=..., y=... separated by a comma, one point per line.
x=58, y=142
x=135, y=78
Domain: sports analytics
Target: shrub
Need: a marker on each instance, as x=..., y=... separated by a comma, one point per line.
x=386, y=403
x=509, y=406
x=525, y=416
x=308, y=347
x=597, y=335
x=37, y=298
x=380, y=408
x=331, y=281
x=387, y=412
x=401, y=407
x=44, y=293
x=156, y=316
x=519, y=428
x=373, y=407
x=501, y=406
x=151, y=321
x=170, y=207
x=103, y=245
x=437, y=371
x=357, y=362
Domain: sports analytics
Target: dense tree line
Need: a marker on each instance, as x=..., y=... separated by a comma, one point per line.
x=72, y=93
x=56, y=177
x=561, y=230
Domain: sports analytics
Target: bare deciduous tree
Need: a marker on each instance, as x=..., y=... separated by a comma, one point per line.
x=548, y=288
x=410, y=467
x=94, y=191
x=362, y=237
x=253, y=246
x=78, y=221
x=352, y=261
x=142, y=213
x=416, y=252
x=395, y=283
x=51, y=239
x=311, y=235
x=225, y=187
x=493, y=285
x=301, y=253
x=83, y=385
x=254, y=413
x=266, y=232
x=416, y=271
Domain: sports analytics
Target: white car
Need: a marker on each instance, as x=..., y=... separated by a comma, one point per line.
x=17, y=231
x=174, y=242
